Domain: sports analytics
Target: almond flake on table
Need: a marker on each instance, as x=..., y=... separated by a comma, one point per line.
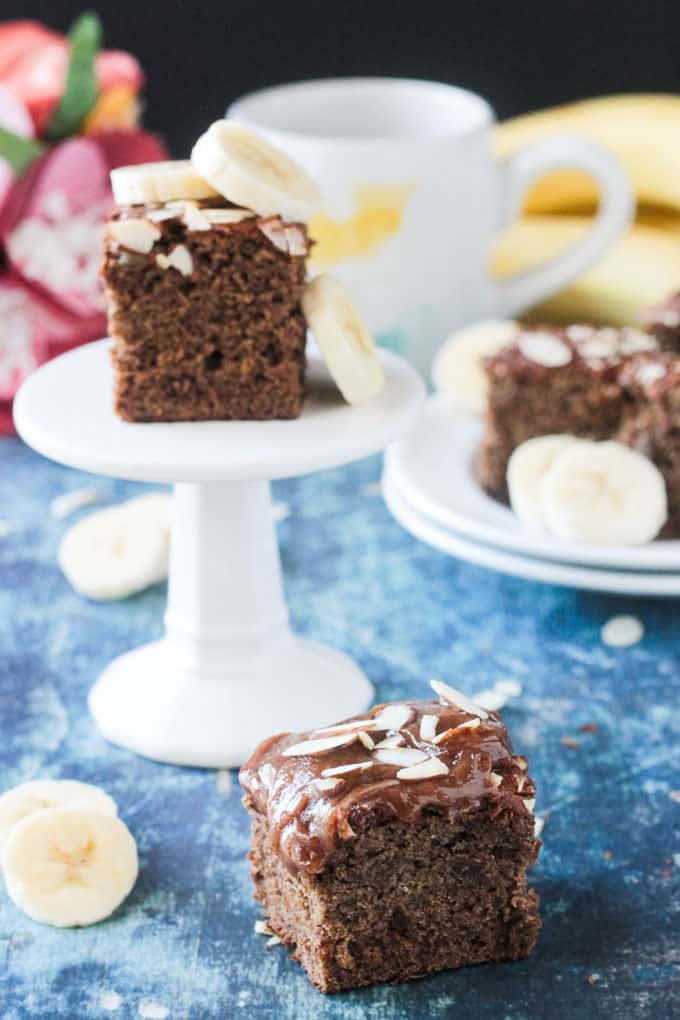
x=68, y=502
x=622, y=631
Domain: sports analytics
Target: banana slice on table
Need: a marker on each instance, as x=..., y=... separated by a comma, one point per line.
x=25, y=800
x=68, y=867
x=123, y=549
x=250, y=172
x=457, y=370
x=526, y=473
x=605, y=494
x=158, y=182
x=344, y=341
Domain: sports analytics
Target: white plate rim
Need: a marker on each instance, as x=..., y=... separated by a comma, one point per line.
x=526, y=567
x=652, y=557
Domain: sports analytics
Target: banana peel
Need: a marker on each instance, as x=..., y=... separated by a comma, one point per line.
x=642, y=269
x=643, y=131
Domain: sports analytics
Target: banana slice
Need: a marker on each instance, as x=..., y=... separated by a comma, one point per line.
x=25, y=800
x=250, y=172
x=457, y=370
x=526, y=473
x=605, y=494
x=120, y=550
x=69, y=866
x=158, y=182
x=345, y=344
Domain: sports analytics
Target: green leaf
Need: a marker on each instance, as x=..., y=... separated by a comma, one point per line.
x=80, y=93
x=19, y=152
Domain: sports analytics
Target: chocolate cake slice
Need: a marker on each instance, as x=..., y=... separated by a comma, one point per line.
x=652, y=421
x=663, y=322
x=395, y=844
x=204, y=310
x=554, y=381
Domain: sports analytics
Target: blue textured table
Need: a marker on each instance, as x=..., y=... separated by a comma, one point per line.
x=182, y=946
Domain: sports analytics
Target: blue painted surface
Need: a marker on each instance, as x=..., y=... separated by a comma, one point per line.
x=184, y=940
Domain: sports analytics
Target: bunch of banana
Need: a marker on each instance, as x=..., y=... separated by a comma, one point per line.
x=643, y=131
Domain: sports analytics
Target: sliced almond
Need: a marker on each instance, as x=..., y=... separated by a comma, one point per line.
x=349, y=727
x=327, y=784
x=396, y=740
x=179, y=258
x=228, y=215
x=492, y=700
x=544, y=349
x=195, y=218
x=366, y=740
x=297, y=242
x=471, y=724
x=457, y=699
x=425, y=770
x=135, y=235
x=262, y=928
x=274, y=231
x=341, y=770
x=530, y=804
x=393, y=717
x=319, y=746
x=428, y=727
x=495, y=779
x=159, y=215
x=401, y=756
x=521, y=762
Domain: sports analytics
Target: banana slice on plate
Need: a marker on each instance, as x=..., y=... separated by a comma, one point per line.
x=118, y=551
x=68, y=866
x=457, y=370
x=526, y=473
x=158, y=182
x=250, y=172
x=40, y=794
x=605, y=494
x=344, y=341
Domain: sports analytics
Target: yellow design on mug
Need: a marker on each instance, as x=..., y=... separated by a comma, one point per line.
x=378, y=215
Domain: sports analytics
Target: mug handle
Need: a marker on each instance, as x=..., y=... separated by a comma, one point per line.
x=615, y=213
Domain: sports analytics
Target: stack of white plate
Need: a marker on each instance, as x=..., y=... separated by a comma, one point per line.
x=429, y=485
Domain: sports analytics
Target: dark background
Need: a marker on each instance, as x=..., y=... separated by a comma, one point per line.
x=521, y=54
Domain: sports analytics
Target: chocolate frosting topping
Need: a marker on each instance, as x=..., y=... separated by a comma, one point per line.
x=393, y=762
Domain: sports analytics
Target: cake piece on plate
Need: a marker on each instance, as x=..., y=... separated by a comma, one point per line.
x=395, y=844
x=652, y=421
x=553, y=381
x=663, y=322
x=204, y=270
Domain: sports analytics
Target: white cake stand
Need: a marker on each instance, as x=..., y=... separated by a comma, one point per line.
x=228, y=671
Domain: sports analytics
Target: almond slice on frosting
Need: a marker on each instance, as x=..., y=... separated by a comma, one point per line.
x=401, y=756
x=319, y=746
x=424, y=770
x=457, y=699
x=393, y=717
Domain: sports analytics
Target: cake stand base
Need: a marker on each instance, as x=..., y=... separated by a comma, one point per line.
x=148, y=703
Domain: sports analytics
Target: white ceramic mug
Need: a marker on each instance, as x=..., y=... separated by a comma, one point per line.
x=413, y=197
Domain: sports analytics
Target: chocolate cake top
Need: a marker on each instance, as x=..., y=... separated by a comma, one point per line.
x=651, y=374
x=664, y=316
x=591, y=348
x=317, y=788
x=172, y=221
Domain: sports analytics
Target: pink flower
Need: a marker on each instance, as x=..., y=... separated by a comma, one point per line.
x=51, y=225
x=33, y=62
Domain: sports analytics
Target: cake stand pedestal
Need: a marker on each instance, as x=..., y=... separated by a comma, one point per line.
x=229, y=671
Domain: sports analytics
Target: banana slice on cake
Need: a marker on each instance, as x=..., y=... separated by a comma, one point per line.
x=40, y=794
x=250, y=172
x=457, y=370
x=344, y=341
x=527, y=468
x=158, y=182
x=606, y=494
x=123, y=549
x=68, y=866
